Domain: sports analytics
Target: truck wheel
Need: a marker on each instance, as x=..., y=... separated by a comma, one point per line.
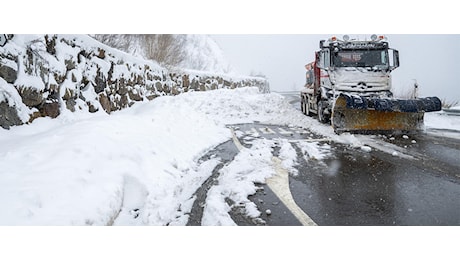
x=302, y=105
x=321, y=116
x=307, y=109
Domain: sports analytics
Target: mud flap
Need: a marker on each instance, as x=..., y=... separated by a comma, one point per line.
x=362, y=115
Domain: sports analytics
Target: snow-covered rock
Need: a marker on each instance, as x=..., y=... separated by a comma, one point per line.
x=366, y=148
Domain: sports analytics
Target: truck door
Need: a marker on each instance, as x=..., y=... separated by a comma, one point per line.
x=324, y=63
x=323, y=59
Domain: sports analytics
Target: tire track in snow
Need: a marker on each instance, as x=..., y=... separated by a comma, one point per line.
x=226, y=152
x=196, y=214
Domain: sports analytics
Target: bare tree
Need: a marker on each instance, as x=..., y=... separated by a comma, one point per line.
x=118, y=41
x=167, y=49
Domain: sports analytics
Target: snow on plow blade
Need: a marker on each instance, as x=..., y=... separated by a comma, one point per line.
x=373, y=115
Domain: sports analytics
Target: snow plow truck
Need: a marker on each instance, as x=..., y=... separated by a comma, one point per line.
x=349, y=86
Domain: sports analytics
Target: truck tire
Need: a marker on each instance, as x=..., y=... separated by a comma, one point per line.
x=302, y=104
x=323, y=118
x=307, y=108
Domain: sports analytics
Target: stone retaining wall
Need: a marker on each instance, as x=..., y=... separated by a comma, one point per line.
x=55, y=72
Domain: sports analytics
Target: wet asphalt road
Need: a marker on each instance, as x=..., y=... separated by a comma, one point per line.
x=379, y=189
x=358, y=188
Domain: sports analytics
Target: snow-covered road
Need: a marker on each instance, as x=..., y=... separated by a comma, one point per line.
x=173, y=161
x=141, y=166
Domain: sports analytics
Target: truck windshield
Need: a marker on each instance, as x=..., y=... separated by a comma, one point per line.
x=361, y=58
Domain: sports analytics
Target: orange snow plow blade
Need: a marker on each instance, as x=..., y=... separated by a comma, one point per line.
x=361, y=115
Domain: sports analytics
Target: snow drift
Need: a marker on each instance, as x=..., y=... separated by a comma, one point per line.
x=78, y=169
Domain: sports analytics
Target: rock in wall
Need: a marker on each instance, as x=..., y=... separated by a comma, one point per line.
x=41, y=75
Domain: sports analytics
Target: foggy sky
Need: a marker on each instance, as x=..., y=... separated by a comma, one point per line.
x=431, y=59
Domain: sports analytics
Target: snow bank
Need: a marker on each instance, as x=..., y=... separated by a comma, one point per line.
x=78, y=168
x=440, y=120
x=72, y=170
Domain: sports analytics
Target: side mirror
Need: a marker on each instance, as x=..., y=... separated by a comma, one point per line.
x=321, y=44
x=394, y=59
